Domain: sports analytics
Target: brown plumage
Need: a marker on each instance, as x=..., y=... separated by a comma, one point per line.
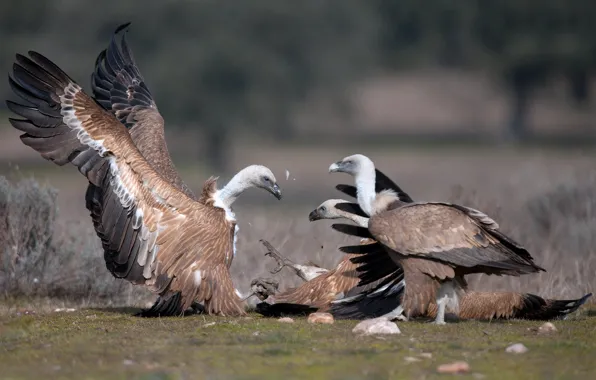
x=436, y=243
x=152, y=233
x=320, y=291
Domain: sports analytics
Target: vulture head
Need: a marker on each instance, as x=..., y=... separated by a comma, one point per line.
x=330, y=210
x=363, y=170
x=261, y=177
x=258, y=176
x=354, y=165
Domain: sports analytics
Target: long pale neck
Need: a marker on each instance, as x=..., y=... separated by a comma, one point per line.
x=365, y=185
x=232, y=190
x=359, y=220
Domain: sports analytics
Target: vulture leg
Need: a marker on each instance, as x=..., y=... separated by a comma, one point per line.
x=305, y=272
x=447, y=296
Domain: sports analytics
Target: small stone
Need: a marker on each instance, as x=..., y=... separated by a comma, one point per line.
x=209, y=324
x=128, y=362
x=376, y=326
x=325, y=318
x=517, y=348
x=256, y=333
x=547, y=328
x=426, y=355
x=92, y=316
x=411, y=359
x=286, y=320
x=455, y=367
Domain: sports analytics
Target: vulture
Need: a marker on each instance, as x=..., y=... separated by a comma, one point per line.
x=435, y=243
x=152, y=233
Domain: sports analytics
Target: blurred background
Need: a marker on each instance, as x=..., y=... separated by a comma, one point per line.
x=487, y=103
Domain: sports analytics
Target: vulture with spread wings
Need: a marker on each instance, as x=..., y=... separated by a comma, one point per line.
x=152, y=233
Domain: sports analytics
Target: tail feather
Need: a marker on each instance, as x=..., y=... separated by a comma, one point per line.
x=537, y=308
x=371, y=303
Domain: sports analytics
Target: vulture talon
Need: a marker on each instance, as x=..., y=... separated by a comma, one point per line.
x=279, y=259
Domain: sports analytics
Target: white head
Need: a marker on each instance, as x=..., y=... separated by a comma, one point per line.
x=363, y=170
x=328, y=210
x=258, y=176
x=355, y=165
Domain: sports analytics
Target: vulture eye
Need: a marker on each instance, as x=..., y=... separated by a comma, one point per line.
x=323, y=209
x=266, y=179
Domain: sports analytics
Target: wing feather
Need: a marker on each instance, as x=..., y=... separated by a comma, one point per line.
x=452, y=234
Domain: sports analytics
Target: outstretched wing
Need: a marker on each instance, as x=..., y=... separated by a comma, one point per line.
x=451, y=234
x=151, y=232
x=119, y=87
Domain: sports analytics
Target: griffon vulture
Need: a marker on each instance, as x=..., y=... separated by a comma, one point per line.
x=152, y=233
x=372, y=302
x=435, y=243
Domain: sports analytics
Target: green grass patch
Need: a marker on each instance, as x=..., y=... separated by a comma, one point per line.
x=113, y=344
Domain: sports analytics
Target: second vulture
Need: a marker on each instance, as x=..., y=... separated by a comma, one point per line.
x=435, y=243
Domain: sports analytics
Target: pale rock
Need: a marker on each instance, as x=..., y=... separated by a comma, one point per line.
x=324, y=318
x=547, y=328
x=455, y=367
x=376, y=326
x=286, y=320
x=516, y=348
x=411, y=359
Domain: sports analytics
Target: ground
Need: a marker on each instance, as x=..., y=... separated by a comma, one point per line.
x=113, y=344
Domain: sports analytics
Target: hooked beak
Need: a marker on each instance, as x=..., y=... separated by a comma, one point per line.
x=314, y=215
x=336, y=167
x=276, y=191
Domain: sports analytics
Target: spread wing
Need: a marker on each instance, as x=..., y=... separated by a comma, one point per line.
x=452, y=234
x=151, y=232
x=119, y=87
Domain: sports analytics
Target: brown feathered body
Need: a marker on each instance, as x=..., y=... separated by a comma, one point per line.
x=151, y=232
x=323, y=289
x=439, y=243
